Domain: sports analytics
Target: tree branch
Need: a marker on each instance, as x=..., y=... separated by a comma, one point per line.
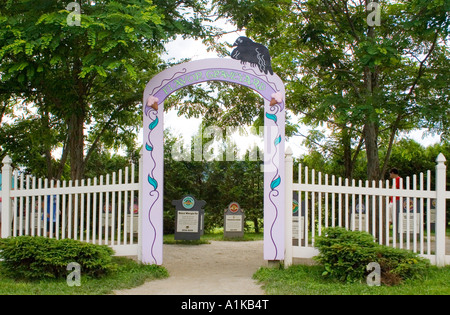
x=100, y=134
x=391, y=141
x=421, y=67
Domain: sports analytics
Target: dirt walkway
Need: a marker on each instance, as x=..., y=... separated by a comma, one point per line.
x=210, y=269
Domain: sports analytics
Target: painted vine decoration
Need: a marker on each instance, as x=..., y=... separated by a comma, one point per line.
x=152, y=112
x=276, y=180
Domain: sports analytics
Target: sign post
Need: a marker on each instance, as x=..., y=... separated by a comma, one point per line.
x=189, y=218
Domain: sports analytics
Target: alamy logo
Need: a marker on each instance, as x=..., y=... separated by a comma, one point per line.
x=373, y=278
x=74, y=18
x=74, y=278
x=374, y=17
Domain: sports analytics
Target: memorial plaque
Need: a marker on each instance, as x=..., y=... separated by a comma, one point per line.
x=234, y=221
x=298, y=219
x=360, y=217
x=189, y=218
x=295, y=225
x=432, y=217
x=406, y=217
x=188, y=221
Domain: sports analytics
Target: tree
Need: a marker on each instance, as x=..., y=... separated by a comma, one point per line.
x=366, y=82
x=91, y=75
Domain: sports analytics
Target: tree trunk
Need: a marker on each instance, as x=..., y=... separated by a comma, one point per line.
x=348, y=162
x=255, y=222
x=76, y=145
x=370, y=133
x=373, y=173
x=371, y=141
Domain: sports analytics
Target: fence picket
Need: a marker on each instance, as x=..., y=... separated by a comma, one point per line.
x=88, y=212
x=429, y=214
x=119, y=210
x=131, y=208
x=94, y=212
x=326, y=203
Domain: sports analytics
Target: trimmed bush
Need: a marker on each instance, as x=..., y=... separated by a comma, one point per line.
x=346, y=254
x=399, y=264
x=37, y=257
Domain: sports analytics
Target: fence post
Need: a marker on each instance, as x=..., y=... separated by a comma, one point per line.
x=289, y=169
x=6, y=199
x=440, y=209
x=140, y=196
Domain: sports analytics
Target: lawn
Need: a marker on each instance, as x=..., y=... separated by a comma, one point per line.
x=216, y=236
x=128, y=275
x=308, y=280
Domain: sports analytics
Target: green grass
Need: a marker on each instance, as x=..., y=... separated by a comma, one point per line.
x=128, y=275
x=208, y=237
x=308, y=280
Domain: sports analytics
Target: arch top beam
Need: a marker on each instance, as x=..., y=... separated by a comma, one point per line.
x=215, y=69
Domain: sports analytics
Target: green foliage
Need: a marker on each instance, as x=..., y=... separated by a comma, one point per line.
x=37, y=257
x=83, y=77
x=365, y=84
x=399, y=264
x=345, y=255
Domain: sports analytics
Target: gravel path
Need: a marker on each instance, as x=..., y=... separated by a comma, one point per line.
x=209, y=269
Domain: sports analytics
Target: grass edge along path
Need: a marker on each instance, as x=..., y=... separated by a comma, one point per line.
x=217, y=236
x=308, y=280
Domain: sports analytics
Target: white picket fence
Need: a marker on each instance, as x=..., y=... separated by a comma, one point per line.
x=102, y=210
x=325, y=201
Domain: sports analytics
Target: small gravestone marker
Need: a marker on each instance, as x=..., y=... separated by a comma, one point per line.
x=233, y=221
x=189, y=218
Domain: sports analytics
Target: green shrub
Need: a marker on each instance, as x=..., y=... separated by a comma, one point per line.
x=346, y=254
x=36, y=257
x=399, y=264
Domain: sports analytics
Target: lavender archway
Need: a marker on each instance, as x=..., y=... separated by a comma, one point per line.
x=271, y=88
